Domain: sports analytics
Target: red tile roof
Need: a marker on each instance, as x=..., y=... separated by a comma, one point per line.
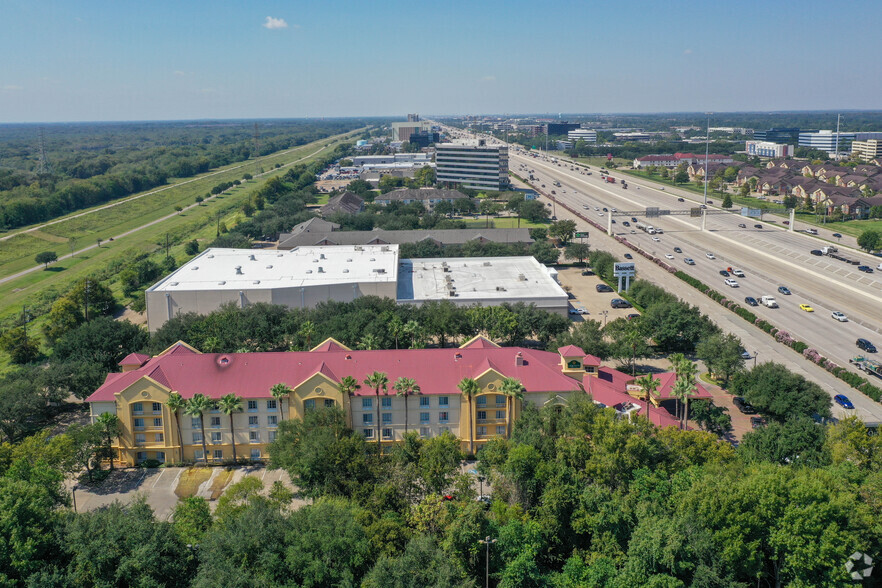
x=667, y=383
x=137, y=359
x=609, y=387
x=570, y=351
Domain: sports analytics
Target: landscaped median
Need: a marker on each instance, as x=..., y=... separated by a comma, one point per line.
x=855, y=381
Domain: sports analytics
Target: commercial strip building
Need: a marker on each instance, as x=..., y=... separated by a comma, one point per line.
x=868, y=149
x=305, y=276
x=150, y=431
x=472, y=164
x=678, y=158
x=767, y=149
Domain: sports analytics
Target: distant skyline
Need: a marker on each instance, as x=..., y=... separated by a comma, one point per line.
x=163, y=60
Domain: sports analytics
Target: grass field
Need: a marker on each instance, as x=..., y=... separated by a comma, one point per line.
x=503, y=223
x=599, y=161
x=38, y=289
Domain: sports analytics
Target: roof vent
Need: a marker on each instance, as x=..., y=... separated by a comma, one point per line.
x=348, y=356
x=321, y=270
x=345, y=270
x=173, y=284
x=309, y=271
x=269, y=266
x=321, y=255
x=211, y=256
x=384, y=248
x=373, y=259
x=457, y=355
x=194, y=268
x=379, y=270
x=500, y=288
x=522, y=278
x=256, y=282
x=252, y=258
x=486, y=264
x=238, y=270
x=349, y=260
x=221, y=283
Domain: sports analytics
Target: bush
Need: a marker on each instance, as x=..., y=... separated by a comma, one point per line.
x=799, y=346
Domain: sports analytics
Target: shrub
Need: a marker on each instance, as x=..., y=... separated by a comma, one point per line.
x=799, y=346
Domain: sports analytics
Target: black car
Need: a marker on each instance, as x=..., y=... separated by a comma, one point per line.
x=604, y=209
x=865, y=345
x=633, y=219
x=587, y=272
x=629, y=256
x=816, y=252
x=677, y=250
x=757, y=422
x=865, y=268
x=603, y=288
x=751, y=301
x=619, y=303
x=626, y=224
x=724, y=273
x=744, y=406
x=837, y=235
x=710, y=201
x=680, y=200
x=757, y=226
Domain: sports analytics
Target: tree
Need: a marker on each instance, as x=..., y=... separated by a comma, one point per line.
x=796, y=441
x=103, y=340
x=281, y=391
x=93, y=297
x=404, y=387
x=349, y=386
x=191, y=247
x=230, y=404
x=422, y=564
x=563, y=230
x=588, y=336
x=439, y=459
x=711, y=418
x=870, y=240
x=64, y=316
x=727, y=200
x=776, y=391
x=46, y=257
x=681, y=177
x=109, y=425
x=513, y=390
x=378, y=381
x=20, y=347
x=534, y=211
x=577, y=251
x=197, y=407
x=648, y=385
x=444, y=208
x=176, y=405
x=469, y=388
x=192, y=519
x=721, y=354
x=628, y=342
x=87, y=441
x=682, y=389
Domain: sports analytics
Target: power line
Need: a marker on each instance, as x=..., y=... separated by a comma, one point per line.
x=44, y=167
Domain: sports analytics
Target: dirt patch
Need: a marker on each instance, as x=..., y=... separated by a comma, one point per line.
x=48, y=237
x=190, y=480
x=331, y=185
x=136, y=318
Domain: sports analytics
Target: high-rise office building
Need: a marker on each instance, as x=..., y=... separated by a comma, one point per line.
x=472, y=164
x=782, y=135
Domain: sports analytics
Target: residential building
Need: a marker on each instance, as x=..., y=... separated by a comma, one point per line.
x=768, y=149
x=472, y=164
x=150, y=431
x=587, y=135
x=346, y=203
x=826, y=140
x=429, y=197
x=778, y=135
x=440, y=237
x=868, y=149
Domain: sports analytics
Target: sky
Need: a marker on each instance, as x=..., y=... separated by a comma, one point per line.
x=98, y=60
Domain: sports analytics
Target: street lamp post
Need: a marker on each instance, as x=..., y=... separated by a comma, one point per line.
x=755, y=353
x=706, y=155
x=604, y=313
x=73, y=491
x=487, y=541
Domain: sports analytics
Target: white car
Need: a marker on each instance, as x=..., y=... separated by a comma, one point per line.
x=709, y=255
x=596, y=208
x=599, y=214
x=737, y=273
x=732, y=283
x=585, y=206
x=668, y=256
x=656, y=239
x=839, y=316
x=689, y=261
x=582, y=310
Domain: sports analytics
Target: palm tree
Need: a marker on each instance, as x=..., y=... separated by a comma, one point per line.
x=307, y=330
x=649, y=385
x=412, y=329
x=369, y=342
x=109, y=423
x=469, y=388
x=405, y=387
x=377, y=381
x=196, y=407
x=513, y=390
x=349, y=386
x=677, y=360
x=684, y=388
x=686, y=370
x=279, y=392
x=396, y=328
x=229, y=404
x=176, y=405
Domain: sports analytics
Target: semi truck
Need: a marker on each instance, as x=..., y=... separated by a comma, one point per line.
x=610, y=179
x=646, y=228
x=834, y=253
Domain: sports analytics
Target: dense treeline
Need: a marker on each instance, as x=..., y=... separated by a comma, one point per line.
x=92, y=164
x=579, y=497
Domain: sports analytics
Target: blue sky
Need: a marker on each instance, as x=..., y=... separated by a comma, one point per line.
x=148, y=59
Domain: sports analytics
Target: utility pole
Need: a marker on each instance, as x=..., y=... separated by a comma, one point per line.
x=88, y=284
x=836, y=152
x=166, y=245
x=706, y=155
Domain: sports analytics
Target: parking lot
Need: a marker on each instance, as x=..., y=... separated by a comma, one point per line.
x=584, y=288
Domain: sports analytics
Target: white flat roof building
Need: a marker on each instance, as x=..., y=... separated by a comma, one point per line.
x=480, y=280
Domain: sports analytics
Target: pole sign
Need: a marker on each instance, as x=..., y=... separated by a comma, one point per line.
x=581, y=234
x=609, y=156
x=624, y=270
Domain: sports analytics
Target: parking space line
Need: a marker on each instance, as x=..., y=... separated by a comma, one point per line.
x=158, y=478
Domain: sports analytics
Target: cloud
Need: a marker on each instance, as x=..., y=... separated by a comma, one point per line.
x=180, y=73
x=488, y=79
x=687, y=52
x=12, y=88
x=275, y=23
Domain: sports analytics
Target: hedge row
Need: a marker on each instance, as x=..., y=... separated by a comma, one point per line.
x=855, y=381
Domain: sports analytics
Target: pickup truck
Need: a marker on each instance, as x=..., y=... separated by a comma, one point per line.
x=769, y=301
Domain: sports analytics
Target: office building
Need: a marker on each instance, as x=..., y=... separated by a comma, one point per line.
x=561, y=128
x=587, y=135
x=423, y=139
x=826, y=140
x=788, y=136
x=867, y=150
x=413, y=118
x=472, y=164
x=767, y=149
x=150, y=431
x=401, y=131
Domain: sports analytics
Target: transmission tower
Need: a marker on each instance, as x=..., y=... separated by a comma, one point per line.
x=44, y=168
x=256, y=141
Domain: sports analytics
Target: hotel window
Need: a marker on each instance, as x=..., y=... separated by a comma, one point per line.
x=500, y=400
x=216, y=436
x=253, y=421
x=255, y=454
x=482, y=431
x=138, y=408
x=500, y=430
x=141, y=456
x=443, y=417
x=197, y=437
x=368, y=433
x=386, y=403
x=252, y=406
x=218, y=454
x=197, y=455
x=424, y=417
x=157, y=408
x=195, y=422
x=272, y=436
x=500, y=414
x=215, y=422
x=159, y=438
x=387, y=433
x=443, y=401
x=139, y=423
x=272, y=420
x=140, y=438
x=271, y=405
x=309, y=404
x=367, y=402
x=157, y=422
x=160, y=456
x=254, y=436
x=329, y=403
x=424, y=402
x=367, y=419
x=424, y=432
x=482, y=400
x=482, y=415
x=387, y=418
